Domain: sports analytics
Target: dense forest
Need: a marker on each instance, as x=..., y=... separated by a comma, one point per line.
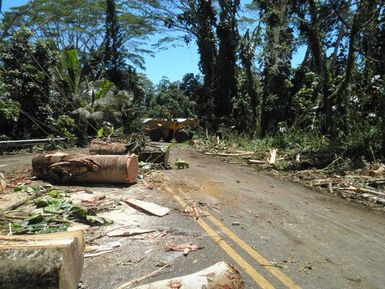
x=69, y=65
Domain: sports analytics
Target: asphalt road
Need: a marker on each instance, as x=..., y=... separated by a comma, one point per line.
x=278, y=234
x=293, y=237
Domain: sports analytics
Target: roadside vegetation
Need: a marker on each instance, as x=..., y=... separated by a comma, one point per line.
x=304, y=77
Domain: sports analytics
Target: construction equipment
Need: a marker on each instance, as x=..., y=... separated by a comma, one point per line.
x=178, y=128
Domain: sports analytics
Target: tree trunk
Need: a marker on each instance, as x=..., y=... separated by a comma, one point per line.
x=220, y=275
x=149, y=155
x=77, y=168
x=363, y=13
x=105, y=148
x=276, y=98
x=315, y=43
x=51, y=261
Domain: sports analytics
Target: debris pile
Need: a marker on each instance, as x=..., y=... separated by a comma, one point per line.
x=355, y=180
x=147, y=153
x=47, y=210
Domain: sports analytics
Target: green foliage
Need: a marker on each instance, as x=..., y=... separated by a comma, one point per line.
x=69, y=71
x=170, y=101
x=81, y=22
x=58, y=212
x=26, y=67
x=66, y=126
x=103, y=89
x=9, y=114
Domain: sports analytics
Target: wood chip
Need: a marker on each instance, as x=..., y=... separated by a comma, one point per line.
x=185, y=248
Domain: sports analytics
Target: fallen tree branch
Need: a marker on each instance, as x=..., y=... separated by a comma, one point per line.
x=364, y=190
x=245, y=154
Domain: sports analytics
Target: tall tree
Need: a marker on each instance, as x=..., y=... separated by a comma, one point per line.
x=81, y=24
x=196, y=20
x=114, y=52
x=308, y=16
x=225, y=78
x=206, y=43
x=247, y=52
x=277, y=54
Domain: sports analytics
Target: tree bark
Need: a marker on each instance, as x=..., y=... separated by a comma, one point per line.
x=105, y=148
x=77, y=168
x=149, y=154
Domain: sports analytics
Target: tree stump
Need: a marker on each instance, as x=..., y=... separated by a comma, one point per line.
x=51, y=261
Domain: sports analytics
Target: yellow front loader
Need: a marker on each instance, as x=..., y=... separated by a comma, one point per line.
x=179, y=128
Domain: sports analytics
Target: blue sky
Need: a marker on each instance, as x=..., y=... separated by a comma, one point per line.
x=173, y=63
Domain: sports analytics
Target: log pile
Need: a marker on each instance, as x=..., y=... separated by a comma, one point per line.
x=51, y=261
x=79, y=168
x=150, y=154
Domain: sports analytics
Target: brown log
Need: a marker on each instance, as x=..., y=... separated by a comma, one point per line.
x=52, y=261
x=154, y=155
x=78, y=168
x=149, y=155
x=104, y=148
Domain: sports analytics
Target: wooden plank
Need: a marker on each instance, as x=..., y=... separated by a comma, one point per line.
x=147, y=207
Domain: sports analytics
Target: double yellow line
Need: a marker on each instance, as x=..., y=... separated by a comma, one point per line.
x=255, y=275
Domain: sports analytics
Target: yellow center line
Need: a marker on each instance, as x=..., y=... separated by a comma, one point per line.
x=252, y=252
x=255, y=275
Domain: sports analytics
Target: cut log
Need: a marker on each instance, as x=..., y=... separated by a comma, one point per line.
x=151, y=208
x=78, y=168
x=154, y=155
x=104, y=148
x=150, y=154
x=220, y=275
x=52, y=261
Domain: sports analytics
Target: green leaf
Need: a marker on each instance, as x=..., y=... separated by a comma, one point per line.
x=100, y=132
x=97, y=220
x=35, y=219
